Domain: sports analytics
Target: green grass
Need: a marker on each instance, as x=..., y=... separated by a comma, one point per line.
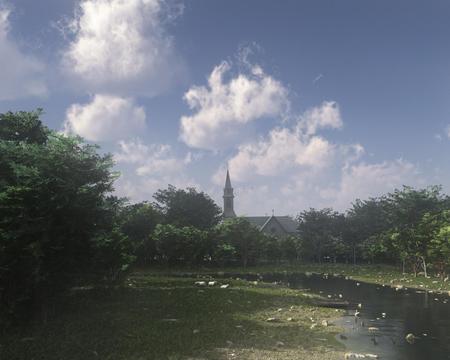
x=161, y=317
x=377, y=274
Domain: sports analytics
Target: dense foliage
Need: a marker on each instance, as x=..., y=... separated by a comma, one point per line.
x=53, y=203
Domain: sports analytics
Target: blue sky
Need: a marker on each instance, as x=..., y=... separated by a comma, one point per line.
x=309, y=103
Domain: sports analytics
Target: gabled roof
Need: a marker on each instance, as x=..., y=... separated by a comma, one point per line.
x=286, y=222
x=257, y=221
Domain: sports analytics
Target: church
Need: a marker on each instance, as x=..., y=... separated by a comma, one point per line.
x=279, y=226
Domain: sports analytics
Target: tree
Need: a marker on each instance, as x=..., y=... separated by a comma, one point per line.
x=437, y=227
x=53, y=192
x=364, y=221
x=187, y=208
x=138, y=222
x=28, y=129
x=185, y=245
x=245, y=239
x=406, y=209
x=319, y=233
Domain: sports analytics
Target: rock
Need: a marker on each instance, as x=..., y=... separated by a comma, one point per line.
x=373, y=329
x=358, y=284
x=229, y=343
x=212, y=283
x=290, y=319
x=383, y=315
x=360, y=356
x=411, y=338
x=313, y=326
x=279, y=310
x=200, y=283
x=359, y=306
x=340, y=296
x=324, y=323
x=280, y=343
x=225, y=286
x=357, y=313
x=195, y=331
x=272, y=319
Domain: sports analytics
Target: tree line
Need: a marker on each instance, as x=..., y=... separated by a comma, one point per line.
x=60, y=225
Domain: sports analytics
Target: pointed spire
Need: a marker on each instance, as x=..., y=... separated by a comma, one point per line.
x=228, y=181
x=228, y=211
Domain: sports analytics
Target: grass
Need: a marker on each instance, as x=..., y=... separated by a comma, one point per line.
x=153, y=316
x=376, y=274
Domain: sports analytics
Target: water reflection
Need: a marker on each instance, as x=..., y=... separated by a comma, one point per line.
x=426, y=315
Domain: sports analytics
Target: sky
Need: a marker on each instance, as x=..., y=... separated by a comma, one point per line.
x=310, y=103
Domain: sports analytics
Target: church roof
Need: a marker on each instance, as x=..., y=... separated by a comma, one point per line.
x=228, y=181
x=286, y=222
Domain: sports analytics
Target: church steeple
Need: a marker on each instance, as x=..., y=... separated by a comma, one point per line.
x=228, y=196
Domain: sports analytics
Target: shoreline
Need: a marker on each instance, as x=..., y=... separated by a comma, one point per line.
x=374, y=274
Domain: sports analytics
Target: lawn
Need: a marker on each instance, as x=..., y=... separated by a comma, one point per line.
x=162, y=317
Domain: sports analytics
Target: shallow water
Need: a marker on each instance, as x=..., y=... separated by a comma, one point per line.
x=426, y=315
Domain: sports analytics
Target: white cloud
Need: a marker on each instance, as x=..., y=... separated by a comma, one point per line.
x=21, y=74
x=369, y=180
x=282, y=150
x=222, y=107
x=106, y=117
x=448, y=131
x=120, y=46
x=325, y=116
x=154, y=167
x=285, y=149
x=154, y=159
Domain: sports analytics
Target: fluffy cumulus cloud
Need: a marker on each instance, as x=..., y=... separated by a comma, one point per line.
x=105, y=118
x=293, y=169
x=222, y=107
x=154, y=159
x=325, y=116
x=368, y=180
x=150, y=167
x=22, y=75
x=285, y=149
x=121, y=45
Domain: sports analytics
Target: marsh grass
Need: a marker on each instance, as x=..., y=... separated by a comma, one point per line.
x=158, y=317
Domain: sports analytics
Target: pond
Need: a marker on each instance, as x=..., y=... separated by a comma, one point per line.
x=390, y=314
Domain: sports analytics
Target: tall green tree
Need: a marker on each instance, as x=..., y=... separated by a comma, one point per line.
x=187, y=207
x=319, y=233
x=406, y=209
x=138, y=221
x=243, y=238
x=52, y=204
x=364, y=221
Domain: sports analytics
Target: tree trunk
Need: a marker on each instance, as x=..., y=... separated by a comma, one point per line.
x=424, y=264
